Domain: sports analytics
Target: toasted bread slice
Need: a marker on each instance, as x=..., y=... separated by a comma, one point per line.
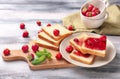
x=84, y=58
x=63, y=31
x=46, y=44
x=44, y=36
x=98, y=48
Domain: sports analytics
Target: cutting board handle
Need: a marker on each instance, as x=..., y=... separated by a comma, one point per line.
x=16, y=55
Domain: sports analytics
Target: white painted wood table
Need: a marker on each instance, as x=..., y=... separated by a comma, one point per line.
x=13, y=12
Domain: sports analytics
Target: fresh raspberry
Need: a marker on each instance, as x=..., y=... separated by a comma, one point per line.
x=58, y=56
x=76, y=40
x=96, y=10
x=35, y=48
x=56, y=32
x=89, y=14
x=22, y=26
x=25, y=48
x=25, y=34
x=30, y=56
x=6, y=52
x=94, y=13
x=38, y=23
x=90, y=7
x=48, y=25
x=71, y=28
x=69, y=49
x=84, y=11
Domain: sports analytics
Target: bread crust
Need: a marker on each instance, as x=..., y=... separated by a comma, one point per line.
x=78, y=58
x=46, y=44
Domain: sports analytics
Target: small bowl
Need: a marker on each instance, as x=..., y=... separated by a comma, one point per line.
x=95, y=21
x=97, y=3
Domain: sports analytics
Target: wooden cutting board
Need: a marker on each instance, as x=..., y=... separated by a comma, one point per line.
x=54, y=63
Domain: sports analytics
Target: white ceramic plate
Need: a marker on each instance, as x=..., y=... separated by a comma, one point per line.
x=99, y=61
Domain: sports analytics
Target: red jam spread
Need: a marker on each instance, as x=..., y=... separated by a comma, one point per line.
x=96, y=43
x=79, y=53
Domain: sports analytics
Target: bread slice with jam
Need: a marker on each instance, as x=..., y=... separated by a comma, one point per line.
x=95, y=45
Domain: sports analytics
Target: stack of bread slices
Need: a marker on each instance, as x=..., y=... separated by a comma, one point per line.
x=87, y=47
x=50, y=39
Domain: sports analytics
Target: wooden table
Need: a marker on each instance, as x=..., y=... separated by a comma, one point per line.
x=13, y=12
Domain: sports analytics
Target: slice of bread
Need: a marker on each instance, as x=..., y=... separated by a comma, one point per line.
x=63, y=31
x=78, y=45
x=97, y=43
x=46, y=44
x=44, y=36
x=84, y=58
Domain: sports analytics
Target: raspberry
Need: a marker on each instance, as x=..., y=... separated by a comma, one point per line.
x=94, y=13
x=35, y=48
x=70, y=28
x=48, y=25
x=90, y=7
x=6, y=52
x=25, y=34
x=76, y=40
x=96, y=10
x=38, y=23
x=69, y=49
x=30, y=56
x=89, y=14
x=58, y=56
x=25, y=48
x=84, y=11
x=56, y=32
x=22, y=26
